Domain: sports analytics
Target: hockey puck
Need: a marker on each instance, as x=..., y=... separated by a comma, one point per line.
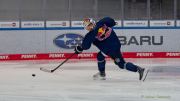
x=33, y=75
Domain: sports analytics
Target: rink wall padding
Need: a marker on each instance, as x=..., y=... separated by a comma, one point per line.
x=35, y=44
x=46, y=56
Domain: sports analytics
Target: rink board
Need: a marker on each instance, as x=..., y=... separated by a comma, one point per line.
x=87, y=55
x=39, y=44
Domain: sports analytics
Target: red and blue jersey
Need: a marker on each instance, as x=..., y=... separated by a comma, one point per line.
x=102, y=36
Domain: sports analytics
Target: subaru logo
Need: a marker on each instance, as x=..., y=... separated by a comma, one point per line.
x=68, y=41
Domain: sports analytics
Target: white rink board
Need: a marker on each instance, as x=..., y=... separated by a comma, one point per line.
x=133, y=40
x=28, y=41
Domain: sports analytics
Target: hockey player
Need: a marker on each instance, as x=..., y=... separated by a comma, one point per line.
x=105, y=39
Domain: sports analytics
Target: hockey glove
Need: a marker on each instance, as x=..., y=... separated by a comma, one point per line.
x=78, y=50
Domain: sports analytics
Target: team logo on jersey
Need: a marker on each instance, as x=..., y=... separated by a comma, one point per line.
x=103, y=33
x=68, y=41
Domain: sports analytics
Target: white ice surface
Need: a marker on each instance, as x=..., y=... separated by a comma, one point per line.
x=73, y=81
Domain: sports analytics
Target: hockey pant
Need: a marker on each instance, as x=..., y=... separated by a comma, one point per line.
x=118, y=60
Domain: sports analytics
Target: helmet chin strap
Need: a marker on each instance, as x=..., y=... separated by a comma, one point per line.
x=93, y=25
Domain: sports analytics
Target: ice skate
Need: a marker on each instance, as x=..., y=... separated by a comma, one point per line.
x=142, y=73
x=146, y=71
x=99, y=76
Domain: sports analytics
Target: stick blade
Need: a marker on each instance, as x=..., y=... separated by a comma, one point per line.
x=46, y=70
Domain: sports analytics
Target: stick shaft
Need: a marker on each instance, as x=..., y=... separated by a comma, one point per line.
x=63, y=62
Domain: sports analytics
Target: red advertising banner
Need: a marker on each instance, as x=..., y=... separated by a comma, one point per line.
x=45, y=56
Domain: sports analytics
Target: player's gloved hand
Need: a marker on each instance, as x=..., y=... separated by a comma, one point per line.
x=78, y=49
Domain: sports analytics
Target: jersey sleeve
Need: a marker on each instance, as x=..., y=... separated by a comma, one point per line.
x=88, y=40
x=107, y=21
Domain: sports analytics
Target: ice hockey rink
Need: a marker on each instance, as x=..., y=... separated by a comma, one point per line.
x=74, y=82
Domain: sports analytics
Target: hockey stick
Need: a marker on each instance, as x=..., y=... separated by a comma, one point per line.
x=52, y=70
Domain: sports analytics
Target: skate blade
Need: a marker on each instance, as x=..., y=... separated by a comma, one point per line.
x=146, y=73
x=99, y=78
